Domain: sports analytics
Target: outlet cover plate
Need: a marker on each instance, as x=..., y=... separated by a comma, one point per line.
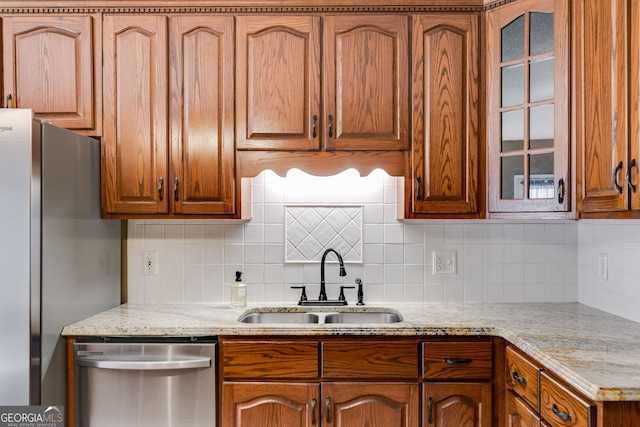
x=444, y=262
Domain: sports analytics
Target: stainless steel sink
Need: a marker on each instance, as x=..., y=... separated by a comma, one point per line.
x=321, y=317
x=279, y=317
x=366, y=317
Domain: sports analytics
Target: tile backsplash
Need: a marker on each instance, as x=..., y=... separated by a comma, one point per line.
x=513, y=261
x=619, y=241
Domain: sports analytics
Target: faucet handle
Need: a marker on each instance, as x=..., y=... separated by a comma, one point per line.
x=341, y=297
x=360, y=292
x=303, y=296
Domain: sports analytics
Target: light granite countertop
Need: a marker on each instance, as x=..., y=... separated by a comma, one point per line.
x=596, y=352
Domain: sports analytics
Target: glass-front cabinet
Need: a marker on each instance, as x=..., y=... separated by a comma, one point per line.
x=528, y=116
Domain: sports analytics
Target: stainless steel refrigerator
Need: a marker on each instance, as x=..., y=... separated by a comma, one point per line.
x=59, y=262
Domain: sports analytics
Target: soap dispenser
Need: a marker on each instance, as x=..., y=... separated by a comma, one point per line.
x=238, y=292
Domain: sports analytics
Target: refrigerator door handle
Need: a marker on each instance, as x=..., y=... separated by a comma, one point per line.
x=144, y=363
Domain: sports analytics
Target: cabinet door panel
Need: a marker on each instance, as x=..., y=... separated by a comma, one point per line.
x=519, y=414
x=49, y=67
x=278, y=82
x=135, y=99
x=202, y=99
x=270, y=404
x=444, y=167
x=634, y=104
x=528, y=100
x=601, y=112
x=457, y=404
x=366, y=78
x=370, y=404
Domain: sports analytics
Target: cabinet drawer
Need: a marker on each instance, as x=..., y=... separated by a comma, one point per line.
x=457, y=360
x=370, y=359
x=562, y=408
x=522, y=377
x=270, y=359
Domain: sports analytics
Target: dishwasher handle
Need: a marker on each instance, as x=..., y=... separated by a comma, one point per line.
x=143, y=363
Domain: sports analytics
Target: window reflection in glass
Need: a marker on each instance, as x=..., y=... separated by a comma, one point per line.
x=541, y=127
x=512, y=130
x=541, y=79
x=512, y=172
x=512, y=85
x=541, y=182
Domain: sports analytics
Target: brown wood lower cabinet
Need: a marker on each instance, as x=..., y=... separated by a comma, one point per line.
x=518, y=414
x=456, y=404
x=356, y=382
x=250, y=404
x=371, y=404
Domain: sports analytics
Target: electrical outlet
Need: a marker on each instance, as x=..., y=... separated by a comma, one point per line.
x=603, y=266
x=444, y=262
x=150, y=263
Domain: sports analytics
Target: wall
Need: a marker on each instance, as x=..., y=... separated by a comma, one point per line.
x=619, y=293
x=511, y=261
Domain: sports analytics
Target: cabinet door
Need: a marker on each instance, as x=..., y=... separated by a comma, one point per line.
x=370, y=404
x=270, y=404
x=527, y=95
x=201, y=128
x=366, y=78
x=48, y=64
x=518, y=413
x=601, y=104
x=278, y=82
x=135, y=123
x=633, y=177
x=443, y=172
x=456, y=404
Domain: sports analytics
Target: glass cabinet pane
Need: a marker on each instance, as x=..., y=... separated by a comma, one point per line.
x=512, y=172
x=540, y=33
x=541, y=182
x=541, y=127
x=513, y=40
x=512, y=130
x=541, y=79
x=512, y=85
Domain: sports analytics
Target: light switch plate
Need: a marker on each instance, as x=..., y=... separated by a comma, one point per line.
x=444, y=262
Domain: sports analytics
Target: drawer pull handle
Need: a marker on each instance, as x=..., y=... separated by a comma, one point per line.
x=328, y=403
x=160, y=184
x=313, y=411
x=519, y=378
x=314, y=125
x=430, y=405
x=615, y=178
x=631, y=185
x=456, y=361
x=562, y=415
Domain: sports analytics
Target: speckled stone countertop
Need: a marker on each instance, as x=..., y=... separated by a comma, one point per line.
x=596, y=352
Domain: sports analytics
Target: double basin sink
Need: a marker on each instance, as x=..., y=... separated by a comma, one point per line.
x=383, y=316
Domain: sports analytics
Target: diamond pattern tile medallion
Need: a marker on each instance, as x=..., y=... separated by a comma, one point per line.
x=310, y=230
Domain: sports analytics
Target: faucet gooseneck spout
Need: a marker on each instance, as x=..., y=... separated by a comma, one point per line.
x=323, y=292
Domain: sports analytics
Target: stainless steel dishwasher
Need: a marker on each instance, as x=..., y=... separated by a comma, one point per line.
x=133, y=383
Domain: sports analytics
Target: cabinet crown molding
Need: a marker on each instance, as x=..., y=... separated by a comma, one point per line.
x=246, y=6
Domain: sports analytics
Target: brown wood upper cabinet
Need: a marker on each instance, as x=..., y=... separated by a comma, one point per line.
x=168, y=96
x=322, y=82
x=528, y=107
x=443, y=172
x=51, y=64
x=607, y=116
